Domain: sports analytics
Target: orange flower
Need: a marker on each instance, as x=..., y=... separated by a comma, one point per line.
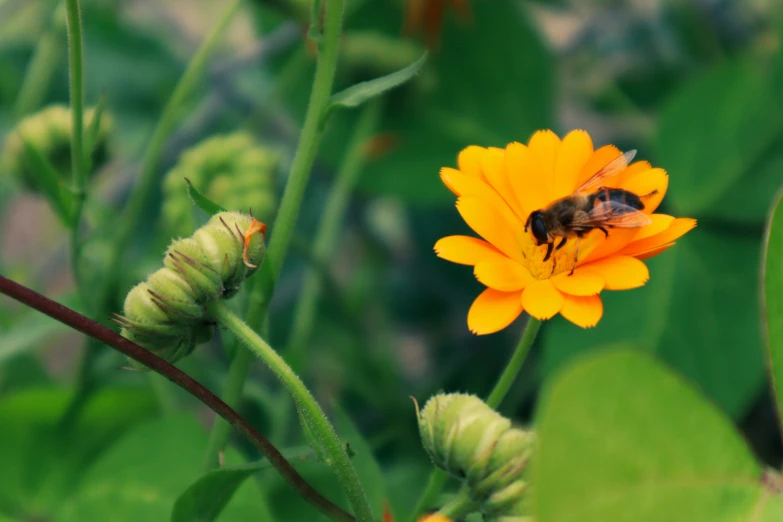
x=497, y=191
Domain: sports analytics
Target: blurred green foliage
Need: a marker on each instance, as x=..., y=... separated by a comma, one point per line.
x=695, y=86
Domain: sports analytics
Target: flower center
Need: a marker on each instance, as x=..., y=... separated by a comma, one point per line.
x=562, y=260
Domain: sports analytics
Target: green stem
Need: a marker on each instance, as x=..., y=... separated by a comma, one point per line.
x=263, y=287
x=312, y=131
x=459, y=506
x=76, y=62
x=39, y=71
x=509, y=375
x=328, y=232
x=322, y=429
x=438, y=478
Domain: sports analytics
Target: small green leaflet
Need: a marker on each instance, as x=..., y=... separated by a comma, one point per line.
x=203, y=202
x=356, y=95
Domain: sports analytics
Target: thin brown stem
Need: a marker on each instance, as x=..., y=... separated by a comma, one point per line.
x=99, y=332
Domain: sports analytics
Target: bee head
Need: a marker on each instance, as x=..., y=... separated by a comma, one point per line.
x=537, y=226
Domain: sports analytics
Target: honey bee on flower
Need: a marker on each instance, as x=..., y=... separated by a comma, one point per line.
x=559, y=222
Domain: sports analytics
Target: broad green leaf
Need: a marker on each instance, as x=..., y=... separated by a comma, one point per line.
x=142, y=474
x=48, y=182
x=772, y=288
x=361, y=92
x=205, y=499
x=708, y=151
x=709, y=274
x=203, y=202
x=44, y=464
x=622, y=438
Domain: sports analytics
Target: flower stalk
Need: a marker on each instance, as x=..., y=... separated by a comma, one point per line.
x=322, y=429
x=288, y=212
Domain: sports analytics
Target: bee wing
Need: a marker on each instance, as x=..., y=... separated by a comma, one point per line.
x=610, y=169
x=611, y=214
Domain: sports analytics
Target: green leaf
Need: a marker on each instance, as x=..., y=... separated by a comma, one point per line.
x=92, y=133
x=709, y=151
x=361, y=92
x=203, y=202
x=204, y=500
x=623, y=438
x=699, y=312
x=142, y=475
x=772, y=289
x=47, y=179
x=42, y=463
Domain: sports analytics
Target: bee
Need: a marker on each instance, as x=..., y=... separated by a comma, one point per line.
x=592, y=206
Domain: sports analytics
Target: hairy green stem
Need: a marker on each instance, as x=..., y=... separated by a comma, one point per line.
x=328, y=232
x=321, y=428
x=263, y=287
x=438, y=477
x=312, y=131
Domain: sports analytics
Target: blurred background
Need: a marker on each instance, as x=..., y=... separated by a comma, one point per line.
x=696, y=86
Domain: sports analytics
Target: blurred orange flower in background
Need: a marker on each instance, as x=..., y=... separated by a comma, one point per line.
x=497, y=191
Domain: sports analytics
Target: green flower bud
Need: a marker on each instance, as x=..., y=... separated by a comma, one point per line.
x=474, y=443
x=231, y=170
x=377, y=52
x=166, y=314
x=49, y=131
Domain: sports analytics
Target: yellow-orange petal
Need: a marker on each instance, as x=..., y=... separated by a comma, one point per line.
x=466, y=185
x=493, y=167
x=576, y=149
x=501, y=273
x=584, y=311
x=660, y=222
x=599, y=159
x=620, y=272
x=679, y=227
x=620, y=237
x=647, y=254
x=650, y=185
x=541, y=299
x=469, y=160
x=513, y=166
x=630, y=171
x=491, y=225
x=581, y=282
x=539, y=164
x=465, y=250
x=493, y=310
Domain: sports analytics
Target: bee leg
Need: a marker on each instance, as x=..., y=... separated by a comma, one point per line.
x=561, y=244
x=549, y=247
x=576, y=255
x=602, y=229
